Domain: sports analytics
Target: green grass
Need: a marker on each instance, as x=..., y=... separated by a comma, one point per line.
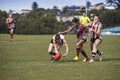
x=27, y=59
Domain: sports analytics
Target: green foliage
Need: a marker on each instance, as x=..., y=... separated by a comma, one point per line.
x=39, y=21
x=34, y=6
x=42, y=21
x=3, y=26
x=109, y=18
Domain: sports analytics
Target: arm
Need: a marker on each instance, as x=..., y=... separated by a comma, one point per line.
x=87, y=26
x=81, y=20
x=66, y=45
x=10, y=22
x=66, y=31
x=88, y=19
x=7, y=21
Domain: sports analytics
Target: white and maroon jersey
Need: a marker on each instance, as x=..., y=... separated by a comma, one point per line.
x=11, y=23
x=81, y=32
x=95, y=26
x=61, y=36
x=61, y=39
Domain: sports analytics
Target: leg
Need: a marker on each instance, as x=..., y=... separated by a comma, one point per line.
x=50, y=49
x=79, y=49
x=51, y=52
x=11, y=34
x=79, y=46
x=99, y=52
x=94, y=50
x=80, y=43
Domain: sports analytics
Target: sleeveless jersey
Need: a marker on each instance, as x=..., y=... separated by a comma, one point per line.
x=61, y=39
x=11, y=24
x=81, y=32
x=95, y=27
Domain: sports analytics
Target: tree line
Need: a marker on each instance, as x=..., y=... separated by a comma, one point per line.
x=38, y=21
x=42, y=21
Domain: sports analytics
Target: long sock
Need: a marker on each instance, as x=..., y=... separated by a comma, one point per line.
x=98, y=52
x=77, y=51
x=93, y=55
x=84, y=54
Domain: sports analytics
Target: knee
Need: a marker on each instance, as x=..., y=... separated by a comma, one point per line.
x=77, y=45
x=11, y=33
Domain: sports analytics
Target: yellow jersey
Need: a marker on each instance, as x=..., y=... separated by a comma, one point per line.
x=84, y=20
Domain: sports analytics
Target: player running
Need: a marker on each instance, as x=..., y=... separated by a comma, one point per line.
x=95, y=31
x=81, y=32
x=56, y=43
x=11, y=26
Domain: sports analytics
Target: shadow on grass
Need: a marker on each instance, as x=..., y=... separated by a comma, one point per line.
x=107, y=59
x=67, y=61
x=112, y=59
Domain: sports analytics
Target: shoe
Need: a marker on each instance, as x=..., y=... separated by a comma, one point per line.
x=101, y=58
x=76, y=58
x=91, y=60
x=51, y=60
x=84, y=60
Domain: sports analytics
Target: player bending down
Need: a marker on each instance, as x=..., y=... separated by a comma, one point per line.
x=56, y=43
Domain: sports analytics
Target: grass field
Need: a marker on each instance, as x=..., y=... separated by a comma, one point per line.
x=27, y=59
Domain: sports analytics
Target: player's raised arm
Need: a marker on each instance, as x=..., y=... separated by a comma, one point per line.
x=66, y=31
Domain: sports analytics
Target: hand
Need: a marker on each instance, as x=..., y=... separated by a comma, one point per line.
x=90, y=30
x=59, y=32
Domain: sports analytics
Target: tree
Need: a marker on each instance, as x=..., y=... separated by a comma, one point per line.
x=38, y=21
x=34, y=6
x=115, y=3
x=65, y=9
x=3, y=26
x=55, y=7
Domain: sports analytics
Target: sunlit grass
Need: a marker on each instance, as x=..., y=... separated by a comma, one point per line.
x=27, y=59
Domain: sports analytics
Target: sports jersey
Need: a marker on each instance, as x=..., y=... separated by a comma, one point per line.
x=95, y=26
x=81, y=32
x=11, y=24
x=61, y=39
x=84, y=20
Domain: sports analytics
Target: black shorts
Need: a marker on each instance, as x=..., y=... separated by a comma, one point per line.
x=93, y=39
x=51, y=41
x=11, y=28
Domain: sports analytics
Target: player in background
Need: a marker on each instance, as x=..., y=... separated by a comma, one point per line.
x=95, y=27
x=10, y=21
x=81, y=32
x=56, y=43
x=84, y=20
